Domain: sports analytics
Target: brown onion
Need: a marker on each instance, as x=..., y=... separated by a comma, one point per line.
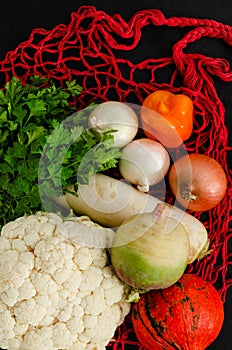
x=198, y=182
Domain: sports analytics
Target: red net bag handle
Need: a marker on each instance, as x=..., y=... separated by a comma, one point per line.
x=198, y=71
x=89, y=48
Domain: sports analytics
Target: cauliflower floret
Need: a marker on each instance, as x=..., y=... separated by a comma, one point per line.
x=91, y=278
x=29, y=312
x=118, y=291
x=58, y=290
x=83, y=258
x=62, y=336
x=18, y=245
x=5, y=245
x=41, y=338
x=75, y=324
x=94, y=303
x=26, y=291
x=43, y=283
x=7, y=324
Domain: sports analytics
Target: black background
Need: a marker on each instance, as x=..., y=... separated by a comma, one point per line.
x=19, y=18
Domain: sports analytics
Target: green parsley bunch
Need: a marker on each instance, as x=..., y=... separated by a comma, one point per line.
x=33, y=126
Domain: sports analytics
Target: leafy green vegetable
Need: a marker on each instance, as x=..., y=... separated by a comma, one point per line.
x=45, y=145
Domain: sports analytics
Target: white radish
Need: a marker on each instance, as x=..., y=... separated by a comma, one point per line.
x=118, y=116
x=144, y=162
x=109, y=202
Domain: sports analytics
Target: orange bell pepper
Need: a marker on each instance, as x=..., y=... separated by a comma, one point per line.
x=167, y=117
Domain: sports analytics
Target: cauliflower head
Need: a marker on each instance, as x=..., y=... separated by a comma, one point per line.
x=57, y=287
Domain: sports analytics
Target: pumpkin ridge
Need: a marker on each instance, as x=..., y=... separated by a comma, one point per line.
x=184, y=300
x=138, y=315
x=186, y=290
x=186, y=316
x=154, y=324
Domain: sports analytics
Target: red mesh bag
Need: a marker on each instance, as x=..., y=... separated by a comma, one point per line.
x=92, y=49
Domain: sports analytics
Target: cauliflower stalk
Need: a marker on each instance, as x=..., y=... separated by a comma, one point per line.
x=57, y=288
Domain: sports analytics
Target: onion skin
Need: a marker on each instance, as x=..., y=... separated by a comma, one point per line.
x=150, y=251
x=113, y=115
x=198, y=182
x=144, y=162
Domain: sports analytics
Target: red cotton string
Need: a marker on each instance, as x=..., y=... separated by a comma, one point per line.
x=93, y=49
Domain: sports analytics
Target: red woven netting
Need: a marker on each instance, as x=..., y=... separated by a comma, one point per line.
x=93, y=49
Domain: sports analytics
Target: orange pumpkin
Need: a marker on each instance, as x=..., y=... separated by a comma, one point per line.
x=186, y=316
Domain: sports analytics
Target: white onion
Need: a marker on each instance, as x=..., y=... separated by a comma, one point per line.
x=144, y=162
x=112, y=115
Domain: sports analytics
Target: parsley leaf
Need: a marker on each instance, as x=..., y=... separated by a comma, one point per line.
x=45, y=144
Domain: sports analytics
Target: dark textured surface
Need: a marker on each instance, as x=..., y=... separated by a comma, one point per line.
x=18, y=18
